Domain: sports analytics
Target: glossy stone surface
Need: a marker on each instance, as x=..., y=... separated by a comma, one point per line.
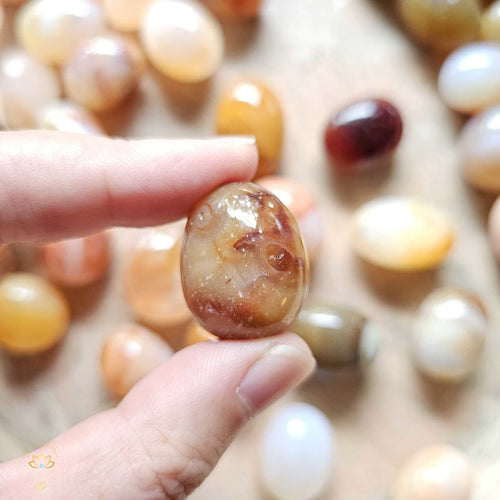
x=7, y=259
x=337, y=335
x=251, y=108
x=66, y=116
x=50, y=30
x=490, y=23
x=26, y=86
x=195, y=333
x=125, y=15
x=363, y=135
x=103, y=72
x=435, y=473
x=77, y=262
x=480, y=150
x=182, y=40
x=449, y=334
x=401, y=234
x=441, y=24
x=469, y=79
x=234, y=10
x=244, y=267
x=129, y=354
x=303, y=207
x=297, y=453
x=494, y=228
x=152, y=278
x=34, y=315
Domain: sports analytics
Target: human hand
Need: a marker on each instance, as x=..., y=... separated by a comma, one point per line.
x=168, y=433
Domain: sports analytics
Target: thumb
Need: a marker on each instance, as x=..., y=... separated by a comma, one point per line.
x=168, y=433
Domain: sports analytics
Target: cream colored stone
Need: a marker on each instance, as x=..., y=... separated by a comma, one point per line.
x=125, y=15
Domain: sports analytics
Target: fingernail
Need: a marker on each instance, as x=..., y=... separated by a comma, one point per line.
x=238, y=139
x=279, y=370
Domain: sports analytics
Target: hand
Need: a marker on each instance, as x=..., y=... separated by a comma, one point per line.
x=168, y=433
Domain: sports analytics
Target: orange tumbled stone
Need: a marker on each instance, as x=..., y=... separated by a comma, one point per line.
x=34, y=315
x=77, y=262
x=7, y=259
x=152, y=278
x=128, y=355
x=195, y=333
x=234, y=10
x=251, y=108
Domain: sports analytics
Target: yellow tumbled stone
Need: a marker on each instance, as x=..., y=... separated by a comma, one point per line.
x=402, y=234
x=490, y=23
x=34, y=315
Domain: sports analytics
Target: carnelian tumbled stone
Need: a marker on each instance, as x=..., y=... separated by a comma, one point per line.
x=251, y=108
x=244, y=267
x=363, y=134
x=234, y=10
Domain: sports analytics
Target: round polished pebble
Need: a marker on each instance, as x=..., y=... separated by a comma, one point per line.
x=182, y=40
x=251, y=108
x=480, y=150
x=195, y=333
x=103, y=72
x=490, y=23
x=449, y=334
x=77, y=262
x=244, y=267
x=7, y=259
x=363, y=135
x=336, y=335
x=303, y=207
x=33, y=314
x=435, y=473
x=494, y=228
x=469, y=80
x=128, y=355
x=52, y=29
x=152, y=278
x=66, y=116
x=297, y=453
x=235, y=10
x=125, y=15
x=402, y=234
x=441, y=24
x=26, y=86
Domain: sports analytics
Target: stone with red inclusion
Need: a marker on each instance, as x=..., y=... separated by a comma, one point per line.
x=244, y=268
x=363, y=134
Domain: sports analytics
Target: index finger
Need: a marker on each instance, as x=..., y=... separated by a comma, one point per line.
x=55, y=185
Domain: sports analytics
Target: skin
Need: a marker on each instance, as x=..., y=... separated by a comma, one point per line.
x=168, y=433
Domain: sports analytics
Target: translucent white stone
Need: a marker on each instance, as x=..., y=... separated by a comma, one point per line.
x=125, y=15
x=449, y=334
x=26, y=86
x=469, y=80
x=434, y=473
x=480, y=150
x=66, y=116
x=402, y=234
x=297, y=452
x=182, y=39
x=51, y=29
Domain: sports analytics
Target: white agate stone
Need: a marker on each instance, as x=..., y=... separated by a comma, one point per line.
x=434, y=473
x=125, y=15
x=449, y=334
x=50, y=30
x=66, y=116
x=480, y=150
x=182, y=39
x=401, y=234
x=469, y=80
x=26, y=86
x=297, y=452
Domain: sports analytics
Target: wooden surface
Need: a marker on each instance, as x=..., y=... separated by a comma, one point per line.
x=317, y=55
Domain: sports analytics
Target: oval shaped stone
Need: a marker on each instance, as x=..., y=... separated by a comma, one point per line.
x=469, y=79
x=336, y=335
x=402, y=234
x=297, y=453
x=480, y=150
x=244, y=267
x=449, y=334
